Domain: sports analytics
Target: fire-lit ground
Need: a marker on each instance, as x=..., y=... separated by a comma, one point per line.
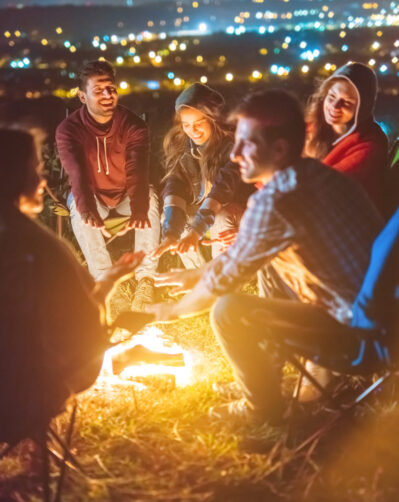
x=153, y=442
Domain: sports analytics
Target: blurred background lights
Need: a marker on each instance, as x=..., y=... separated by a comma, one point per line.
x=153, y=85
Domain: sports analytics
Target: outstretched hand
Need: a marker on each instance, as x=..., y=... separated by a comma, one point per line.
x=225, y=238
x=168, y=244
x=189, y=241
x=138, y=222
x=183, y=280
x=121, y=271
x=93, y=219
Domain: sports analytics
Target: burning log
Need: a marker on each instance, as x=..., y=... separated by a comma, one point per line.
x=139, y=354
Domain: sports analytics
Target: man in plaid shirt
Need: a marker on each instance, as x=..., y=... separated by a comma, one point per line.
x=314, y=225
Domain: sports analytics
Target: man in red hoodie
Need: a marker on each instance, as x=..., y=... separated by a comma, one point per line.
x=104, y=149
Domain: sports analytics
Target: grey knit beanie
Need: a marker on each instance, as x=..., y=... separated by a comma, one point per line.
x=201, y=97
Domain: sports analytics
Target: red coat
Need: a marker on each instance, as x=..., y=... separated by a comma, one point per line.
x=363, y=155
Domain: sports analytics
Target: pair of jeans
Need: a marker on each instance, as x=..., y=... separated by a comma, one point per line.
x=245, y=325
x=92, y=243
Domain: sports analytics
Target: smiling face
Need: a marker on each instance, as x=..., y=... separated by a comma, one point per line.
x=195, y=125
x=101, y=97
x=339, y=106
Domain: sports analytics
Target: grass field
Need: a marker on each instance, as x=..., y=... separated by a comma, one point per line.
x=158, y=445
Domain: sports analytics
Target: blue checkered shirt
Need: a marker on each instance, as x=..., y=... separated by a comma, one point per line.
x=315, y=226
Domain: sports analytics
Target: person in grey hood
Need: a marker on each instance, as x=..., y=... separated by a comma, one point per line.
x=342, y=131
x=202, y=187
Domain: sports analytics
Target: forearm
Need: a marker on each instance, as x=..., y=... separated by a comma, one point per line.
x=196, y=302
x=174, y=222
x=205, y=217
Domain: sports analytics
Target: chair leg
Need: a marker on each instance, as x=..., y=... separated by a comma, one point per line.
x=67, y=453
x=344, y=410
x=304, y=373
x=45, y=467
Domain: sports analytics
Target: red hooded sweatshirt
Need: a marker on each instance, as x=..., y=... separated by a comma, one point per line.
x=362, y=152
x=109, y=163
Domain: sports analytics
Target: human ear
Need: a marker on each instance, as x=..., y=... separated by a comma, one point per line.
x=82, y=96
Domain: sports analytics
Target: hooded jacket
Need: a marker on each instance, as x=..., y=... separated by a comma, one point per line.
x=362, y=152
x=227, y=187
x=108, y=163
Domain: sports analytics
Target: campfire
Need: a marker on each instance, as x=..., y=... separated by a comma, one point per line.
x=146, y=354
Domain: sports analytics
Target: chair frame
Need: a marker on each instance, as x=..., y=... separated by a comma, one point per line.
x=64, y=459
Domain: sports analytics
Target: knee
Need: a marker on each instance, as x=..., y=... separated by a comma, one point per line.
x=226, y=311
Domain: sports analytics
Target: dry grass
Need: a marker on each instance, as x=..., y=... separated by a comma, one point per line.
x=158, y=445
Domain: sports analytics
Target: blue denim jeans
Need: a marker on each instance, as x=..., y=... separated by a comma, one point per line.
x=92, y=243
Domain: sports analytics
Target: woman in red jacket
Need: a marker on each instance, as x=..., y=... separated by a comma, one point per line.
x=343, y=134
x=342, y=131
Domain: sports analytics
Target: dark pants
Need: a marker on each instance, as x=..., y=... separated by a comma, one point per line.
x=245, y=325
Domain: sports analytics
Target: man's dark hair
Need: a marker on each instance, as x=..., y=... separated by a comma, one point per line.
x=17, y=164
x=280, y=116
x=95, y=68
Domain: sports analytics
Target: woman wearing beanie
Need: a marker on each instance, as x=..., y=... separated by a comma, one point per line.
x=342, y=132
x=202, y=187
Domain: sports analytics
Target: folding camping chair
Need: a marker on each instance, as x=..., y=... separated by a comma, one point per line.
x=368, y=347
x=392, y=179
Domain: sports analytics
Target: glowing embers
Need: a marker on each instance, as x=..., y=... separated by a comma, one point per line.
x=147, y=354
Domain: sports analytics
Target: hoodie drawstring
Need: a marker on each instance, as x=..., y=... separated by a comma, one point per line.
x=98, y=156
x=106, y=157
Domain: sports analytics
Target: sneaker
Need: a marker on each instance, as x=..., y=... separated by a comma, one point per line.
x=143, y=295
x=308, y=392
x=119, y=302
x=240, y=410
x=228, y=390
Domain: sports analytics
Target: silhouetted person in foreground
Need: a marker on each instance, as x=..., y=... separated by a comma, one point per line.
x=52, y=335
